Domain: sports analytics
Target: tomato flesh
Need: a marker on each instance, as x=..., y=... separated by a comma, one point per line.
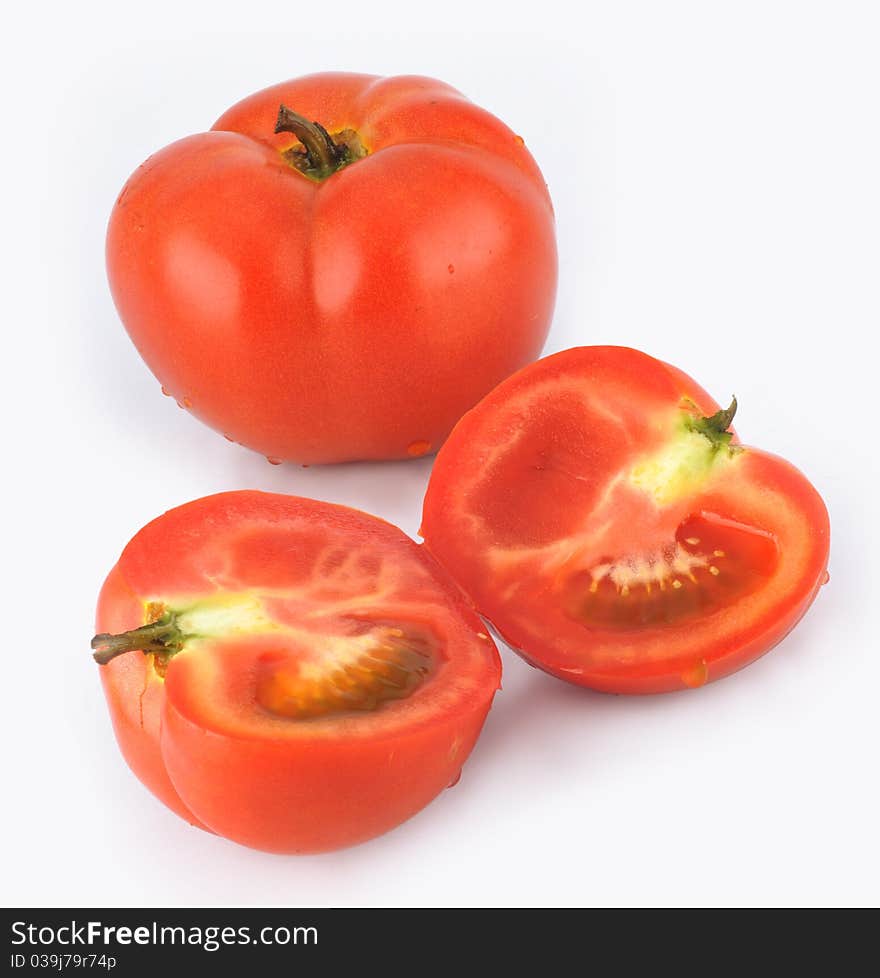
x=327, y=681
x=612, y=541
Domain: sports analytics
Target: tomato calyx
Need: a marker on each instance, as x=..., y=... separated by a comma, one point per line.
x=161, y=638
x=320, y=155
x=697, y=447
x=716, y=426
x=170, y=629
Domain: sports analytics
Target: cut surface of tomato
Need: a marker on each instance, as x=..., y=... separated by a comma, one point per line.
x=293, y=675
x=605, y=519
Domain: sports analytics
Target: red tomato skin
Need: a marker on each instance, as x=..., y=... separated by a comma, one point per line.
x=466, y=454
x=314, y=800
x=265, y=792
x=357, y=318
x=134, y=698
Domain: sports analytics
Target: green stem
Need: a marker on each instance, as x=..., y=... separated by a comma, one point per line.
x=722, y=420
x=715, y=426
x=161, y=637
x=323, y=155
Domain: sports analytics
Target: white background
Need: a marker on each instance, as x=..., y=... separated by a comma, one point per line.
x=715, y=170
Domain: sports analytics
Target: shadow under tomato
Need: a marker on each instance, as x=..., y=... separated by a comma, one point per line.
x=541, y=720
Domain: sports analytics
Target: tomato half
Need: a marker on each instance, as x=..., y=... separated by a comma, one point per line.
x=604, y=518
x=309, y=679
x=340, y=289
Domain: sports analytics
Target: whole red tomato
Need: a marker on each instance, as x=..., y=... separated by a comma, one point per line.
x=601, y=514
x=340, y=268
x=309, y=679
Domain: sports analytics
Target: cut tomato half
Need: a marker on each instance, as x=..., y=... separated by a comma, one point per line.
x=309, y=679
x=605, y=519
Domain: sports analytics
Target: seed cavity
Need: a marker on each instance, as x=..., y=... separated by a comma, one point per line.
x=389, y=665
x=696, y=573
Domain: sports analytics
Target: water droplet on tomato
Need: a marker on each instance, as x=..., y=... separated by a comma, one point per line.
x=450, y=268
x=228, y=437
x=415, y=449
x=696, y=675
x=519, y=140
x=825, y=579
x=272, y=460
x=166, y=392
x=187, y=403
x=455, y=780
